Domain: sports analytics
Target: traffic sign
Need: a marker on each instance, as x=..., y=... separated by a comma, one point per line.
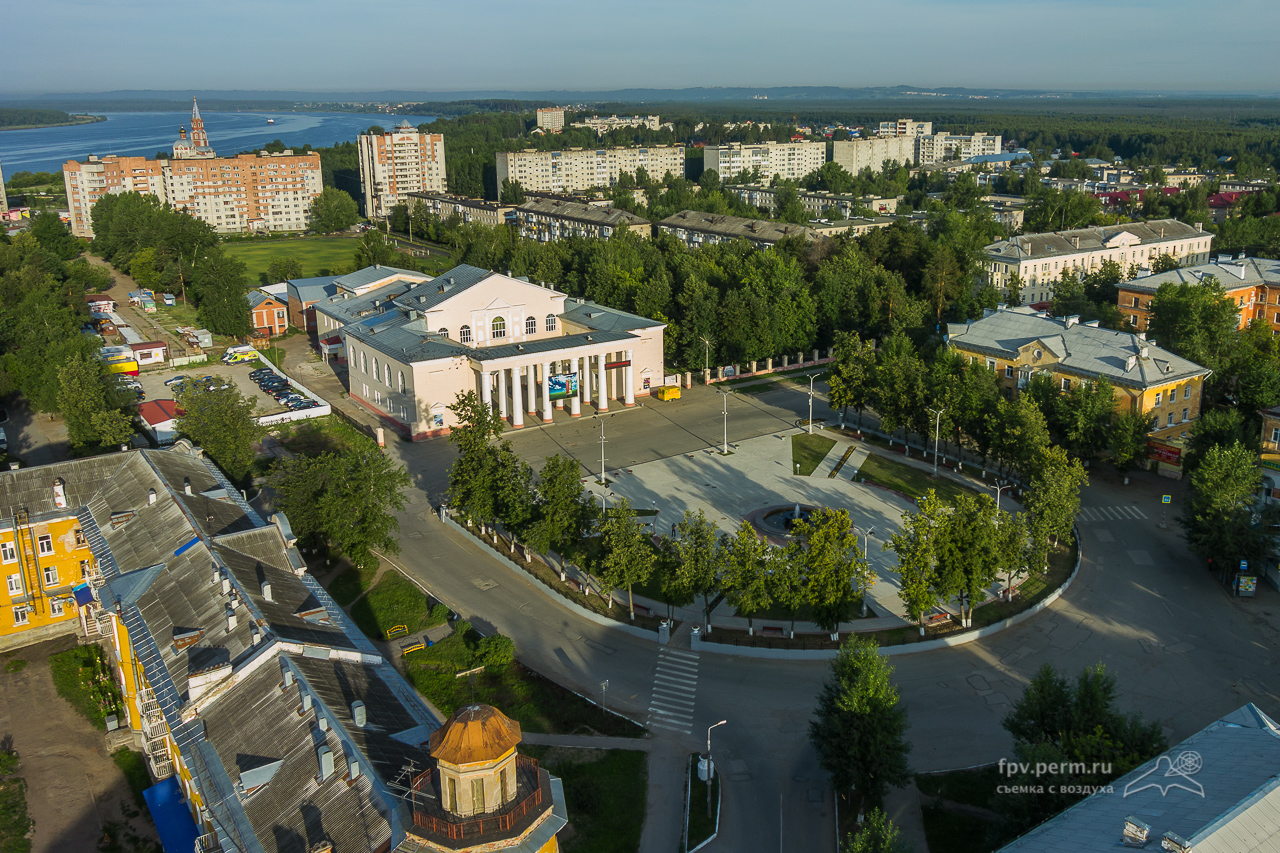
x=1164, y=499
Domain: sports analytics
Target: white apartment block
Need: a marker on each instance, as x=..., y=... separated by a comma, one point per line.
x=577, y=169
x=905, y=127
x=396, y=163
x=937, y=147
x=872, y=153
x=1039, y=259
x=551, y=119
x=788, y=160
x=603, y=125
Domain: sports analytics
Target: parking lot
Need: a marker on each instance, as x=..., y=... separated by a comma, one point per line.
x=237, y=374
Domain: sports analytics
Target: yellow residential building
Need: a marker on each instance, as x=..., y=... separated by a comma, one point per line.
x=44, y=557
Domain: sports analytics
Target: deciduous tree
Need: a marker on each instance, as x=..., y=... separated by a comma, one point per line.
x=746, y=579
x=700, y=558
x=221, y=420
x=627, y=558
x=333, y=210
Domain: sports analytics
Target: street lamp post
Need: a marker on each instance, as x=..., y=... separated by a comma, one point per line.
x=706, y=360
x=866, y=552
x=998, y=490
x=711, y=768
x=603, y=481
x=937, y=426
x=724, y=450
x=811, y=378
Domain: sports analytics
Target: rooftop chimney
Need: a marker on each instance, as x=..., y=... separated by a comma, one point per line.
x=231, y=618
x=325, y=756
x=186, y=485
x=1071, y=320
x=359, y=714
x=266, y=590
x=151, y=496
x=1136, y=832
x=288, y=677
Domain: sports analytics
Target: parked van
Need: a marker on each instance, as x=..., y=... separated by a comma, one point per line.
x=4, y=441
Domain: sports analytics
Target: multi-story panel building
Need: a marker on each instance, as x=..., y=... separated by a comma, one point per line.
x=696, y=228
x=905, y=127
x=248, y=192
x=788, y=160
x=854, y=155
x=938, y=147
x=577, y=169
x=396, y=163
x=551, y=119
x=549, y=219
x=444, y=206
x=1039, y=259
x=1252, y=283
x=603, y=125
x=816, y=202
x=1019, y=342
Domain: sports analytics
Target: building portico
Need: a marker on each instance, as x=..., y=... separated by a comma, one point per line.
x=547, y=385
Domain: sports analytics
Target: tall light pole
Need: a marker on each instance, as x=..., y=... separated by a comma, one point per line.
x=937, y=426
x=706, y=361
x=1000, y=489
x=811, y=378
x=724, y=450
x=711, y=768
x=866, y=552
x=603, y=481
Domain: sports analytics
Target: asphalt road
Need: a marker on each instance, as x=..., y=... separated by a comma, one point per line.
x=1183, y=652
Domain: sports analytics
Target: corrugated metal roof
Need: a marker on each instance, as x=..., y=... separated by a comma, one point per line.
x=1035, y=246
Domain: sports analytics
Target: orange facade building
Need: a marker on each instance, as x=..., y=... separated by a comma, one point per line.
x=248, y=192
x=1252, y=283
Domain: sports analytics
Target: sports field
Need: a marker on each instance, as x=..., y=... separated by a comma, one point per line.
x=318, y=255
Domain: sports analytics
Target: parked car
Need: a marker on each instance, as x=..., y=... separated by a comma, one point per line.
x=261, y=373
x=175, y=380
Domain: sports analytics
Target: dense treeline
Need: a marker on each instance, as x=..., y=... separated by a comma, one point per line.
x=29, y=117
x=462, y=108
x=165, y=249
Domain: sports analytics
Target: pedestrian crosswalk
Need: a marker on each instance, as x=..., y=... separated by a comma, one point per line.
x=675, y=684
x=1110, y=513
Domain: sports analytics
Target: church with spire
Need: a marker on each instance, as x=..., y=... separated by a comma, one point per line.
x=197, y=147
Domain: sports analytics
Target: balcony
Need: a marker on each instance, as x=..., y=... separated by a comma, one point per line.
x=431, y=821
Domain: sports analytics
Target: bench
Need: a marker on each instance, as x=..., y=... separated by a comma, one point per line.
x=935, y=618
x=642, y=610
x=772, y=631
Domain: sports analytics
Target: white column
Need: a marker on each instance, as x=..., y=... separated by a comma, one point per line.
x=575, y=402
x=586, y=379
x=628, y=380
x=547, y=411
x=517, y=404
x=602, y=387
x=502, y=392
x=532, y=388
x=486, y=394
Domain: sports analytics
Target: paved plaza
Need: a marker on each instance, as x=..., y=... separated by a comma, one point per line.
x=758, y=474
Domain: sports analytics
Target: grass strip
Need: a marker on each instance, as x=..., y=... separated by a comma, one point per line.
x=913, y=482
x=393, y=601
x=134, y=767
x=808, y=450
x=604, y=790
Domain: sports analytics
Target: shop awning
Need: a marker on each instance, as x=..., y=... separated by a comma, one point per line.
x=173, y=819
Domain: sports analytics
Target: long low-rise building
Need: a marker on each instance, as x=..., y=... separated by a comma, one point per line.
x=1039, y=259
x=412, y=347
x=549, y=219
x=444, y=206
x=1252, y=283
x=816, y=202
x=248, y=192
x=1017, y=343
x=695, y=228
x=576, y=169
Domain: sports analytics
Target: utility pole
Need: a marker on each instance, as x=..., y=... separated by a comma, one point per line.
x=937, y=426
x=711, y=768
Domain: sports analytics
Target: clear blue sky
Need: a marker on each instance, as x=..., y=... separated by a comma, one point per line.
x=91, y=45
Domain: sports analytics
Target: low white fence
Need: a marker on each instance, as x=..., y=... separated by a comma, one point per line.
x=320, y=410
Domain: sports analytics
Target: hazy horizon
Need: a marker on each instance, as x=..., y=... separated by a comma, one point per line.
x=486, y=45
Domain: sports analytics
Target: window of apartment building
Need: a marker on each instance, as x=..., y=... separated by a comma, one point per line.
x=551, y=322
x=20, y=615
x=15, y=584
x=1159, y=394
x=364, y=364
x=991, y=364
x=80, y=540
x=1135, y=302
x=1186, y=393
x=8, y=553
x=377, y=397
x=364, y=391
x=45, y=544
x=1008, y=371
x=400, y=377
x=55, y=608
x=498, y=327
x=51, y=575
x=1155, y=422
x=1066, y=384
x=1184, y=415
x=1169, y=420
x=464, y=334
x=84, y=569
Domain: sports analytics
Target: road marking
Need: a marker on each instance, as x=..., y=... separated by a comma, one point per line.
x=664, y=652
x=1110, y=513
x=674, y=692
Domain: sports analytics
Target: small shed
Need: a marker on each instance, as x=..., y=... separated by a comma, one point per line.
x=203, y=338
x=149, y=352
x=99, y=303
x=159, y=420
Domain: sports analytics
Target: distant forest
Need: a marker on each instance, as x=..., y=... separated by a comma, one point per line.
x=25, y=117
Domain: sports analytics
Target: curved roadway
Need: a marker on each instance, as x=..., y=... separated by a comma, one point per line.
x=1183, y=651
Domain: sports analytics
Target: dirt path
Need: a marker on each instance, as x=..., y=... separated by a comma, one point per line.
x=74, y=789
x=147, y=325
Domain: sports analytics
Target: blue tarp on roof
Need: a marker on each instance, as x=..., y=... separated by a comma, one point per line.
x=174, y=823
x=83, y=594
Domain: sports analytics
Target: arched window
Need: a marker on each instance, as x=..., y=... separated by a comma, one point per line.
x=364, y=364
x=530, y=326
x=464, y=334
x=375, y=367
x=401, y=376
x=498, y=328
x=551, y=322
x=444, y=333
x=386, y=375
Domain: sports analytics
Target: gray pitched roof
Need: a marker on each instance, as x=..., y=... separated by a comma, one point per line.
x=306, y=290
x=1227, y=801
x=1086, y=351
x=1035, y=246
x=1249, y=272
x=377, y=272
x=755, y=230
x=589, y=214
x=347, y=308
x=582, y=312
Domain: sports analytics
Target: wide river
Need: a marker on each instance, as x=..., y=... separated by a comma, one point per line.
x=45, y=149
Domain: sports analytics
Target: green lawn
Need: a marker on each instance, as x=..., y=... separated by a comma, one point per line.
x=84, y=677
x=910, y=481
x=350, y=585
x=395, y=600
x=321, y=435
x=15, y=823
x=537, y=704
x=317, y=255
x=808, y=450
x=701, y=825
x=605, y=794
x=134, y=768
